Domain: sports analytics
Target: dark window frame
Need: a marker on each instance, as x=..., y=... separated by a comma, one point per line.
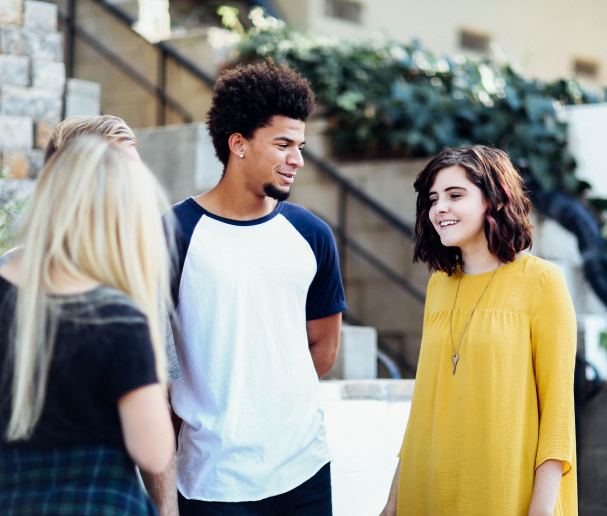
x=587, y=68
x=473, y=41
x=346, y=10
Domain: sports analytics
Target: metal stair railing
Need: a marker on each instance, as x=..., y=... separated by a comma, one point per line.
x=165, y=52
x=164, y=99
x=375, y=262
x=386, y=355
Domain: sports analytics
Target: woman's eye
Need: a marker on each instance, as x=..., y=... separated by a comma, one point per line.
x=433, y=201
x=455, y=196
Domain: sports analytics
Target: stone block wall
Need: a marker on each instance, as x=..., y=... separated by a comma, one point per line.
x=182, y=157
x=82, y=98
x=32, y=84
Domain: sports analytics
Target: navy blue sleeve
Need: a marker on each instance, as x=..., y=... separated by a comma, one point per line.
x=326, y=293
x=186, y=215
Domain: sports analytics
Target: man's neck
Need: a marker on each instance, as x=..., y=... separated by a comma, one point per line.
x=232, y=200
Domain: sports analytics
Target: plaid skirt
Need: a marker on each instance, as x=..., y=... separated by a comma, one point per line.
x=80, y=480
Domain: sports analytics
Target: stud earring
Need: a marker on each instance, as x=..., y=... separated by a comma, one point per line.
x=242, y=155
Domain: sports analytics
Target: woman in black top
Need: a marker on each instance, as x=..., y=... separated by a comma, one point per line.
x=81, y=346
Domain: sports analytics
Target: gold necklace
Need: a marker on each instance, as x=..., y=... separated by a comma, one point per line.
x=456, y=353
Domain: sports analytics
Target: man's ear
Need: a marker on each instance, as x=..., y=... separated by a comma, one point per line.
x=237, y=144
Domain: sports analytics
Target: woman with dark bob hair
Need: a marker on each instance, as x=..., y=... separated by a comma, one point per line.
x=491, y=429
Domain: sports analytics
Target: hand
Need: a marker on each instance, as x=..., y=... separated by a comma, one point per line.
x=389, y=510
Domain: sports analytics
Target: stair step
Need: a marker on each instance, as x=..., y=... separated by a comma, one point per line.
x=21, y=163
x=14, y=70
x=16, y=132
x=82, y=98
x=15, y=191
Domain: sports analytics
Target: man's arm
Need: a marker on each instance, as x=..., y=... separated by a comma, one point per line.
x=323, y=338
x=162, y=488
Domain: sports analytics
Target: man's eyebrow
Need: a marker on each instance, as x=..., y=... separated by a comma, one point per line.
x=289, y=140
x=450, y=188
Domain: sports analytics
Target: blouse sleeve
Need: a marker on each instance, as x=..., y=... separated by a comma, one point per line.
x=553, y=342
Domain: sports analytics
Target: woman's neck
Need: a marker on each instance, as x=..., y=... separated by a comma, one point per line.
x=63, y=283
x=479, y=261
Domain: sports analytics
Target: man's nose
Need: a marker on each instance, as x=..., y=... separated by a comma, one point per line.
x=295, y=158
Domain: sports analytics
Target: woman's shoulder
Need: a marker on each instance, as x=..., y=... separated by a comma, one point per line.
x=440, y=277
x=104, y=315
x=533, y=267
x=104, y=305
x=538, y=279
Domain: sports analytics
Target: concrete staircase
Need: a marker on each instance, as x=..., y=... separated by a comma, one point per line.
x=140, y=80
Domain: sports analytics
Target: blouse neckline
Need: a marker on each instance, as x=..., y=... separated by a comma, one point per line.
x=518, y=260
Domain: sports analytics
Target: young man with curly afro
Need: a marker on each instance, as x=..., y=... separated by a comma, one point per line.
x=259, y=300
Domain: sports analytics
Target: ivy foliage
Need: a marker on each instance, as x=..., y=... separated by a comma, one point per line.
x=386, y=99
x=11, y=206
x=8, y=215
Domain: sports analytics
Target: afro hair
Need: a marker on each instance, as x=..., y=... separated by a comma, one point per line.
x=246, y=98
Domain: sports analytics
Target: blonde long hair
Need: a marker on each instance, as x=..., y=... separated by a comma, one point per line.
x=112, y=128
x=96, y=214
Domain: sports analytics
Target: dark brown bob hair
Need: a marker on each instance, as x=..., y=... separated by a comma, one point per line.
x=507, y=226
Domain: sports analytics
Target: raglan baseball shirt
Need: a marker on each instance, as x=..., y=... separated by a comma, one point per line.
x=248, y=392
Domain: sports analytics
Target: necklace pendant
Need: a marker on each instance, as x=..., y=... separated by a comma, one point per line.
x=455, y=359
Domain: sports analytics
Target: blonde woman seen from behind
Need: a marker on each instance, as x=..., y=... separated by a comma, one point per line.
x=81, y=340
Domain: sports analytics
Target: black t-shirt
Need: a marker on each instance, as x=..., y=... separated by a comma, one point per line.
x=102, y=351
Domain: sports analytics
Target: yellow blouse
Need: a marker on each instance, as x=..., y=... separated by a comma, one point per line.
x=474, y=439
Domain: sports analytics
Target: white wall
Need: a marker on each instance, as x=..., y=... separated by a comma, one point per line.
x=545, y=36
x=588, y=143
